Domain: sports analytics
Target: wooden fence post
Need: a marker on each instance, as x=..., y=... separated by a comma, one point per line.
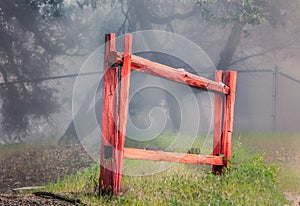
x=230, y=80
x=218, y=114
x=109, y=120
x=124, y=93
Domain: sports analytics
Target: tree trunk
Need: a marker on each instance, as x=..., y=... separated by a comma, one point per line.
x=139, y=8
x=231, y=45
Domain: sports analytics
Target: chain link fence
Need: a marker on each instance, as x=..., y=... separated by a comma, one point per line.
x=48, y=128
x=254, y=101
x=267, y=101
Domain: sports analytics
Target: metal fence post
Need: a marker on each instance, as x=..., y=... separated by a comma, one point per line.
x=274, y=99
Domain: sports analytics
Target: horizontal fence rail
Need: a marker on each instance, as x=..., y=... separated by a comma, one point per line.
x=178, y=75
x=140, y=154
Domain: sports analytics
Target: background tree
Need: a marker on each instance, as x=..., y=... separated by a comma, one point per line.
x=239, y=17
x=27, y=46
x=33, y=33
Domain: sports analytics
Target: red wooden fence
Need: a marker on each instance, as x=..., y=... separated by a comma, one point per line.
x=117, y=68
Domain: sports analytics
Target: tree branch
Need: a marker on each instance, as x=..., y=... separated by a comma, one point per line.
x=172, y=17
x=260, y=54
x=77, y=53
x=126, y=19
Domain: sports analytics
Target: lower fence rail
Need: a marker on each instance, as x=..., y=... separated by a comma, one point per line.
x=154, y=155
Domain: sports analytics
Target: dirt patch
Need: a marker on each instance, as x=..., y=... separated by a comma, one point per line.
x=293, y=197
x=40, y=166
x=13, y=199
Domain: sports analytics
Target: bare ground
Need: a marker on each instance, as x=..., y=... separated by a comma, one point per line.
x=14, y=199
x=40, y=166
x=293, y=197
x=37, y=166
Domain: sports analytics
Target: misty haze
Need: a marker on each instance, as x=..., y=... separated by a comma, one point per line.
x=52, y=59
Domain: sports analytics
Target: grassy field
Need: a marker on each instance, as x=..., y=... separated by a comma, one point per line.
x=249, y=182
x=280, y=149
x=264, y=167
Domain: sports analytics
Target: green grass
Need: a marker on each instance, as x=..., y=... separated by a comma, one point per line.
x=84, y=181
x=249, y=181
x=289, y=179
x=281, y=149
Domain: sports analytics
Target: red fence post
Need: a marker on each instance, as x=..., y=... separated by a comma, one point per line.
x=124, y=93
x=218, y=114
x=230, y=80
x=109, y=120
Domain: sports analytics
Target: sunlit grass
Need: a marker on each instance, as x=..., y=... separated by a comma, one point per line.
x=289, y=179
x=248, y=182
x=84, y=181
x=280, y=148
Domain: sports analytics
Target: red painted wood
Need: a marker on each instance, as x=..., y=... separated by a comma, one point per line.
x=109, y=125
x=139, y=154
x=230, y=80
x=178, y=75
x=218, y=102
x=218, y=114
x=124, y=92
x=115, y=112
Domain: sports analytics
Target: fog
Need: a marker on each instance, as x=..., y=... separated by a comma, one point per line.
x=44, y=46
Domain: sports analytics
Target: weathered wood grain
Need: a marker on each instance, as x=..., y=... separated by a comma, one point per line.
x=154, y=155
